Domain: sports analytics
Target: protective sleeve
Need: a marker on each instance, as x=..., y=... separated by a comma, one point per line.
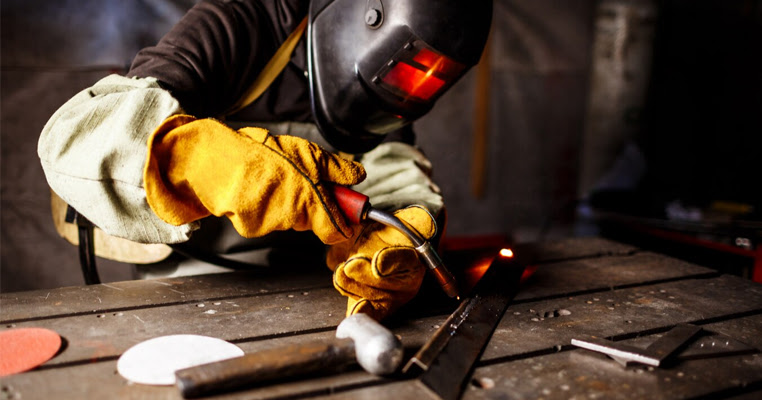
x=92, y=152
x=94, y=147
x=399, y=175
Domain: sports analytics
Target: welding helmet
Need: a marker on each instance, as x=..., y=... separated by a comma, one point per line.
x=378, y=65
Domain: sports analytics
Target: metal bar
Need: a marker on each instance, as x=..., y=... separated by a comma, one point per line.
x=425, y=357
x=654, y=355
x=448, y=359
x=672, y=341
x=622, y=352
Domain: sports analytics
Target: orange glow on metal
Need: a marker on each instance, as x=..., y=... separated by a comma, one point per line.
x=474, y=273
x=528, y=272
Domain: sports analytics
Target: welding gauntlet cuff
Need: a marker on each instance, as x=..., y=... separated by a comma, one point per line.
x=261, y=182
x=379, y=270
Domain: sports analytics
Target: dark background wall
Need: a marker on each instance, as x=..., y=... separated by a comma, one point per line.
x=703, y=133
x=697, y=137
x=50, y=51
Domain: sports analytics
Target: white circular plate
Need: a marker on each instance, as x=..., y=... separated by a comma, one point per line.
x=154, y=361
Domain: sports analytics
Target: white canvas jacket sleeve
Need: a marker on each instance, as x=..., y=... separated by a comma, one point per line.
x=93, y=150
x=399, y=175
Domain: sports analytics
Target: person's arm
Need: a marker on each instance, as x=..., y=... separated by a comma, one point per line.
x=208, y=60
x=399, y=175
x=93, y=149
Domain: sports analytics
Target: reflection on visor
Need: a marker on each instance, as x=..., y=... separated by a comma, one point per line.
x=435, y=62
x=412, y=81
x=418, y=72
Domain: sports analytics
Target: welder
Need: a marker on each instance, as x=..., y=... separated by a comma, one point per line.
x=252, y=109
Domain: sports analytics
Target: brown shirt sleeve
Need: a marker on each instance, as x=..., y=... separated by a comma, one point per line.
x=210, y=58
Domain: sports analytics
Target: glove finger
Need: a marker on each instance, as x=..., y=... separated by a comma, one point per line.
x=327, y=166
x=361, y=244
x=259, y=135
x=340, y=252
x=364, y=306
x=398, y=269
x=334, y=222
x=354, y=290
x=379, y=285
x=393, y=274
x=334, y=168
x=310, y=164
x=317, y=163
x=415, y=217
x=345, y=277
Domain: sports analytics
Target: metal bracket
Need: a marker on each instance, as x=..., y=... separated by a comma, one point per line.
x=665, y=349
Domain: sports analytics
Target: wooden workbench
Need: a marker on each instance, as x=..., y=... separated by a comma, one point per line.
x=603, y=289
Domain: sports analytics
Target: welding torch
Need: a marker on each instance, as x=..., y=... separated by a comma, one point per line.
x=357, y=208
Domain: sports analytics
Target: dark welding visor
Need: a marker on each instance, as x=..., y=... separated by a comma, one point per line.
x=418, y=73
x=376, y=66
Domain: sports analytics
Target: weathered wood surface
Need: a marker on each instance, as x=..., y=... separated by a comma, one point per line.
x=585, y=374
x=581, y=287
x=130, y=295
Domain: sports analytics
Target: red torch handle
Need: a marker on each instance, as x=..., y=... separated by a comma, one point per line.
x=353, y=204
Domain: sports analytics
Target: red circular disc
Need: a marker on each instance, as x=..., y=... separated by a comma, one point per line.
x=26, y=348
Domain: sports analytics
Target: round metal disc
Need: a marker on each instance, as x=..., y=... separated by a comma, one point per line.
x=26, y=348
x=154, y=361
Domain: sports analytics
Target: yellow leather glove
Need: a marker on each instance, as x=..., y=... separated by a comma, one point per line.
x=379, y=270
x=262, y=183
